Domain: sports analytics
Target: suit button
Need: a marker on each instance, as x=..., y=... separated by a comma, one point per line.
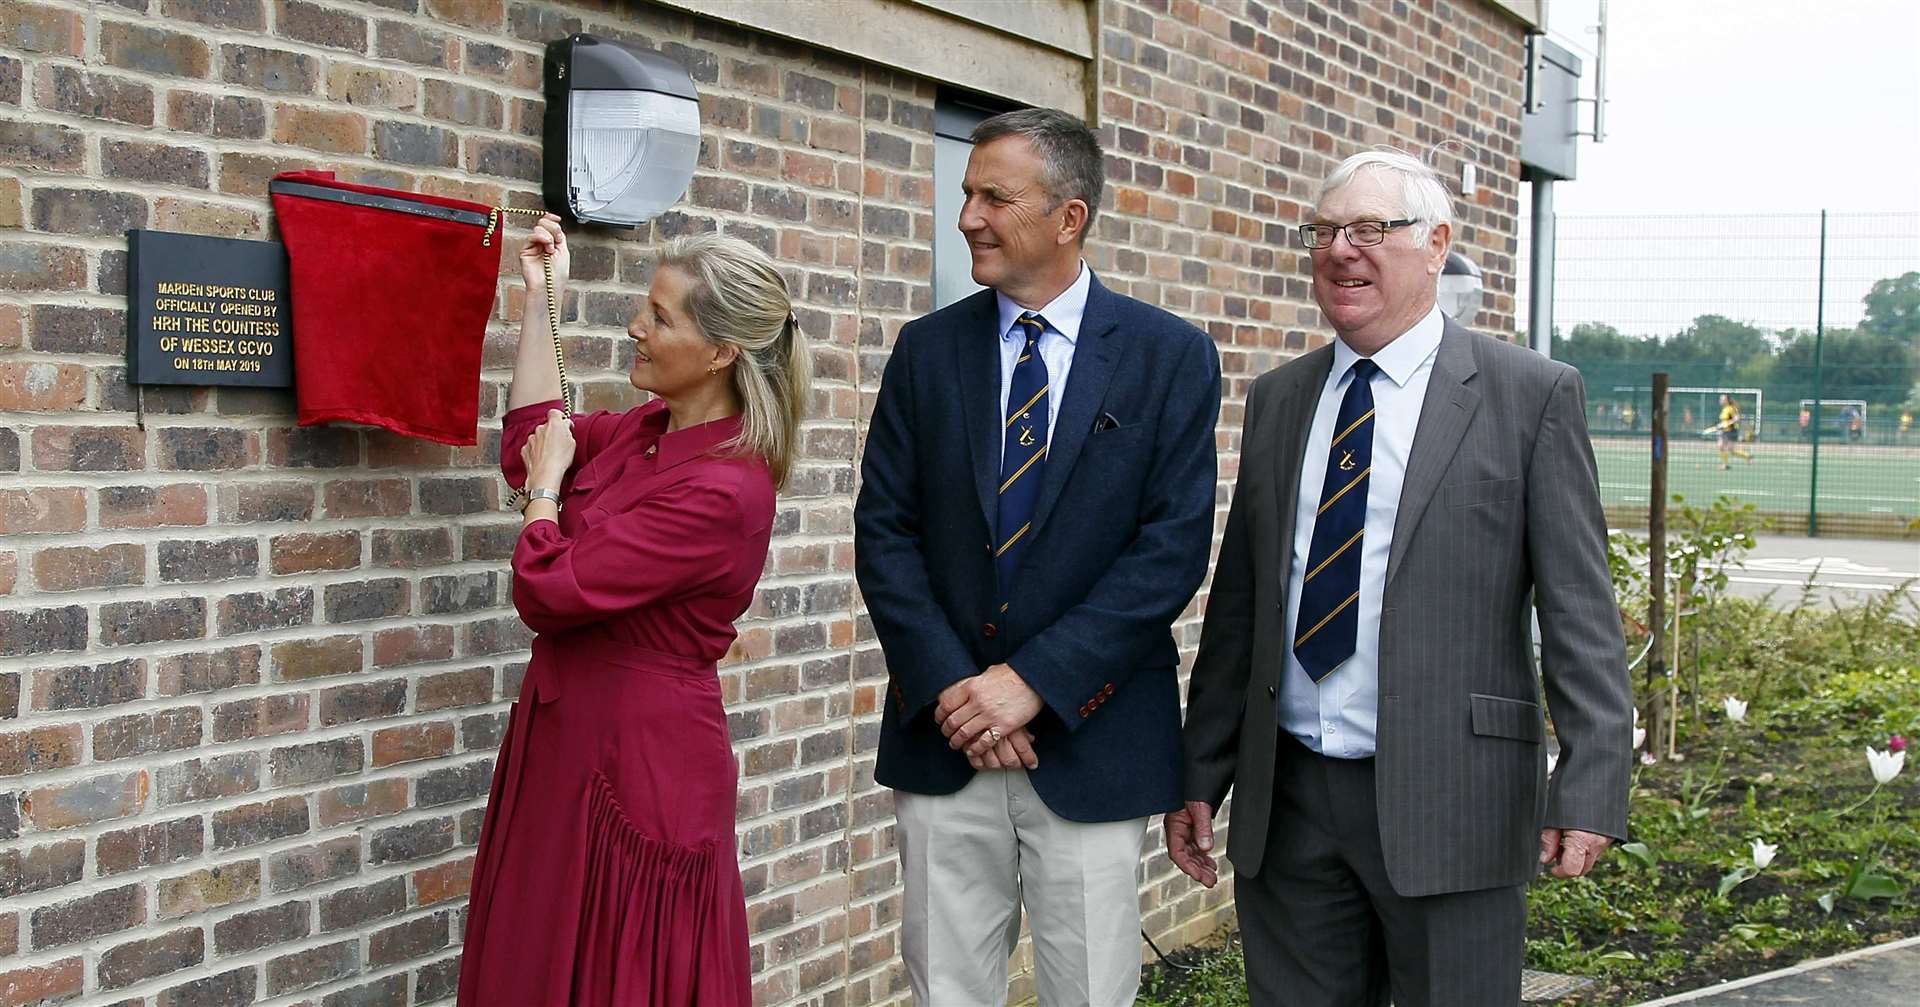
x=1271, y=691
x=1085, y=709
x=1108, y=691
x=989, y=630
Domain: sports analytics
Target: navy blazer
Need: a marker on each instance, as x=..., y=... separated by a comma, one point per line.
x=1122, y=533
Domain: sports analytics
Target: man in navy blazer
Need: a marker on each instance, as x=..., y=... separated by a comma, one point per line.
x=1036, y=509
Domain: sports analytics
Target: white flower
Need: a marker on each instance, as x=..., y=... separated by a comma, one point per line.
x=1647, y=759
x=1886, y=765
x=1736, y=709
x=1763, y=854
x=1639, y=733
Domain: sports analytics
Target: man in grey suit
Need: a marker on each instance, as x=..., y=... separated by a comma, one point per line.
x=1365, y=681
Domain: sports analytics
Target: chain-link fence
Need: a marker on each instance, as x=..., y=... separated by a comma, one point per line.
x=1793, y=347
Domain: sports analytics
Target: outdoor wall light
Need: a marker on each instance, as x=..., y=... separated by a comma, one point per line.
x=1460, y=288
x=622, y=131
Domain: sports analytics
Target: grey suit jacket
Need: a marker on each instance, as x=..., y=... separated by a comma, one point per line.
x=1500, y=506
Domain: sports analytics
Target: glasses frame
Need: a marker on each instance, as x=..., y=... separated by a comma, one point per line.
x=1386, y=227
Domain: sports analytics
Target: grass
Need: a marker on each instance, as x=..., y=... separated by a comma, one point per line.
x=1822, y=685
x=1864, y=480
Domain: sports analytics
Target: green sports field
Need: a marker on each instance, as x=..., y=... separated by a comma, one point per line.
x=1864, y=489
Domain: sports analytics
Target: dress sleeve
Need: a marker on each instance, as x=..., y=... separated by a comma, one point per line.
x=681, y=541
x=591, y=432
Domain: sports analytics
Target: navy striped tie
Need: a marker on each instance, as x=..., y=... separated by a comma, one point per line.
x=1023, y=461
x=1329, y=619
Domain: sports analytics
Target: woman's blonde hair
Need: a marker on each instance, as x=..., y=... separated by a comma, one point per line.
x=737, y=298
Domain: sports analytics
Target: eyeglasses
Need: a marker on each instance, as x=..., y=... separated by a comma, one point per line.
x=1360, y=233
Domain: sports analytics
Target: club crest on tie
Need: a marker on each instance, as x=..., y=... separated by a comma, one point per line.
x=1346, y=461
x=1026, y=436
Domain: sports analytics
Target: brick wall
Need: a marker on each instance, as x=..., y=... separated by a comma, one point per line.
x=253, y=676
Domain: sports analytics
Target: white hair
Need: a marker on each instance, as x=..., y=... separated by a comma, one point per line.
x=1422, y=195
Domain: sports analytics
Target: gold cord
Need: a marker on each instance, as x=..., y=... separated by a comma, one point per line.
x=517, y=498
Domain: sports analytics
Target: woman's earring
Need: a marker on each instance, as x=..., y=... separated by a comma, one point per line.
x=713, y=368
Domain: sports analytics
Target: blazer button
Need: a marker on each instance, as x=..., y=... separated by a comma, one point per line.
x=1085, y=710
x=989, y=630
x=1271, y=691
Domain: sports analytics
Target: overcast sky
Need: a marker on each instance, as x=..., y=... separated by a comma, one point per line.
x=1759, y=113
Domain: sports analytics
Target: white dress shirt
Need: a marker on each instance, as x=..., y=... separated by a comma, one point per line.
x=1338, y=715
x=1062, y=315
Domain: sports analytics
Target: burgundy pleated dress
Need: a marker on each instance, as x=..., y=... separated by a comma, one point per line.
x=607, y=872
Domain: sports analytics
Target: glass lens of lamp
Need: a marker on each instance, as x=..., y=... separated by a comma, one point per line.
x=631, y=153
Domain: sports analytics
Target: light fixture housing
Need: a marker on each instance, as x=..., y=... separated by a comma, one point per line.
x=622, y=131
x=1461, y=288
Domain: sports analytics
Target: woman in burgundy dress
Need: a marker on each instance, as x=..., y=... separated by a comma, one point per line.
x=606, y=872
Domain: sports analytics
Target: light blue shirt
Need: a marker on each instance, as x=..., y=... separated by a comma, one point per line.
x=1063, y=315
x=1339, y=715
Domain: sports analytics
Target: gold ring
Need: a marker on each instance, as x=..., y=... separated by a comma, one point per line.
x=994, y=734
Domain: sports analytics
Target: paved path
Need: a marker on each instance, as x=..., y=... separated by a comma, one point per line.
x=1883, y=976
x=1846, y=570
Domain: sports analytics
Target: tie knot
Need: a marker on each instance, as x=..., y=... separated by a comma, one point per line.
x=1031, y=325
x=1364, y=369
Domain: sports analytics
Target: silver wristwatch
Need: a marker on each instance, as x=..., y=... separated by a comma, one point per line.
x=541, y=493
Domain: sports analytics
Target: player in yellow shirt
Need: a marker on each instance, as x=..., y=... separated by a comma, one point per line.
x=1729, y=430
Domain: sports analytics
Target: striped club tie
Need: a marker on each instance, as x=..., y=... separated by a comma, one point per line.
x=1023, y=461
x=1329, y=618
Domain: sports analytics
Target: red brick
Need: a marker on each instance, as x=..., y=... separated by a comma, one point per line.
x=42, y=984
x=246, y=15
x=278, y=501
x=307, y=552
x=89, y=686
x=414, y=938
x=137, y=961
x=412, y=645
x=348, y=704
x=42, y=868
x=153, y=50
x=194, y=216
x=83, y=802
x=456, y=688
x=313, y=865
x=305, y=969
x=89, y=449
x=148, y=845
x=372, y=87
x=54, y=746
x=367, y=498
x=442, y=882
x=360, y=801
x=411, y=742
x=9, y=934
x=333, y=132
x=299, y=660
x=245, y=174
x=130, y=622
x=209, y=671
x=39, y=29
x=29, y=266
x=209, y=888
x=89, y=917
x=260, y=928
x=144, y=733
x=9, y=573
x=326, y=26
x=259, y=823
x=177, y=504
x=43, y=511
x=78, y=568
x=261, y=717
x=206, y=779
x=41, y=388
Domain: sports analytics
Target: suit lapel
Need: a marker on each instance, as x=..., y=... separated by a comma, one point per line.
x=1291, y=423
x=977, y=353
x=1444, y=417
x=1095, y=357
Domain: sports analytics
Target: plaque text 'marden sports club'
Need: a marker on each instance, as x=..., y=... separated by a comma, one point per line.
x=207, y=311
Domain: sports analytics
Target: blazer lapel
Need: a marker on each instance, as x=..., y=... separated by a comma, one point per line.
x=1289, y=428
x=1444, y=417
x=977, y=350
x=1095, y=356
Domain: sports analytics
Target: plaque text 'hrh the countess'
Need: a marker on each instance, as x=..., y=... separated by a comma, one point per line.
x=207, y=311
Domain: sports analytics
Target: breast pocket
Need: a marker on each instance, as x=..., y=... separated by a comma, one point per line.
x=1483, y=492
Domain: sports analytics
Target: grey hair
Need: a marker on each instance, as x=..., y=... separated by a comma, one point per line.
x=1070, y=155
x=1422, y=195
x=736, y=297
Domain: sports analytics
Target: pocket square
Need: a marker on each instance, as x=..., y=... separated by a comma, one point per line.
x=1105, y=422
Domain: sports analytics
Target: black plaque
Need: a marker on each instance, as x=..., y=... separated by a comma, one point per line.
x=207, y=311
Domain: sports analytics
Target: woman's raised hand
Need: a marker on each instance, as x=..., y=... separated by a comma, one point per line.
x=546, y=237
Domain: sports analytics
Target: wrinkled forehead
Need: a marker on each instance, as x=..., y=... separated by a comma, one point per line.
x=1369, y=195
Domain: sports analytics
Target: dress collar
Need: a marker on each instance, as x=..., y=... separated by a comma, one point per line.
x=1063, y=314
x=1400, y=359
x=687, y=442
